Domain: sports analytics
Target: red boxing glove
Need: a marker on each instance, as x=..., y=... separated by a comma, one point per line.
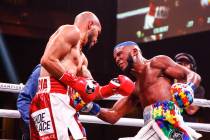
x=87, y=88
x=122, y=85
x=110, y=89
x=126, y=87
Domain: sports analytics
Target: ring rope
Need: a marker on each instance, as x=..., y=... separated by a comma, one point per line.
x=122, y=122
x=16, y=88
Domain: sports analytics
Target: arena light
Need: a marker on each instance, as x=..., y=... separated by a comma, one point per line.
x=7, y=62
x=131, y=13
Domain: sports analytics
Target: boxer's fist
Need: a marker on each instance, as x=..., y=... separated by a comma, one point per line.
x=109, y=89
x=91, y=108
x=87, y=88
x=182, y=94
x=122, y=85
x=126, y=85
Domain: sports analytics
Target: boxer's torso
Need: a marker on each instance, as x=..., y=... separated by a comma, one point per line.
x=72, y=62
x=152, y=86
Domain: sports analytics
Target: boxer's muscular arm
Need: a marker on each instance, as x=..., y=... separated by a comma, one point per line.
x=58, y=47
x=119, y=109
x=175, y=70
x=84, y=70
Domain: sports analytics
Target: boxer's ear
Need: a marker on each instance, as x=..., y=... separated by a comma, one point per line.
x=90, y=23
x=134, y=52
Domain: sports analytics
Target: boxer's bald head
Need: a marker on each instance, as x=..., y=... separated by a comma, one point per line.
x=90, y=27
x=86, y=17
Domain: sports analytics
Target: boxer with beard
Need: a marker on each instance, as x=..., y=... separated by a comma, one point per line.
x=157, y=94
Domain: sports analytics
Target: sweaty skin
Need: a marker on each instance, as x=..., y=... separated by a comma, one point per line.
x=63, y=53
x=64, y=48
x=153, y=81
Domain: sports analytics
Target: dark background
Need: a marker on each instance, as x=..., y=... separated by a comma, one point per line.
x=25, y=26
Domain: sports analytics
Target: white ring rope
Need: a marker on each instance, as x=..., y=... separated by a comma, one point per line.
x=15, y=88
x=122, y=122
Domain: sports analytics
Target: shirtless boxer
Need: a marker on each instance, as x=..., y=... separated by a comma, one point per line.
x=155, y=91
x=66, y=85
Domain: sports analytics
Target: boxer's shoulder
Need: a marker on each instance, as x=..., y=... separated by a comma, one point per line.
x=68, y=27
x=160, y=61
x=69, y=33
x=160, y=58
x=69, y=30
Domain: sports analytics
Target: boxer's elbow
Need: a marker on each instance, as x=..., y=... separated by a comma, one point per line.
x=111, y=120
x=114, y=120
x=197, y=79
x=46, y=61
x=194, y=78
x=109, y=116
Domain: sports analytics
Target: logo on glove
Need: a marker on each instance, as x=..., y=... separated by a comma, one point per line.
x=90, y=87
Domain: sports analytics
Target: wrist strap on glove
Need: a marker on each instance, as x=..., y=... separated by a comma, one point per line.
x=92, y=108
x=192, y=85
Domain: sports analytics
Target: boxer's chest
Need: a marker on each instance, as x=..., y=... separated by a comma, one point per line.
x=73, y=61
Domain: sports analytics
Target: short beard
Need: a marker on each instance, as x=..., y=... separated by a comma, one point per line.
x=87, y=46
x=127, y=70
x=90, y=36
x=85, y=49
x=129, y=66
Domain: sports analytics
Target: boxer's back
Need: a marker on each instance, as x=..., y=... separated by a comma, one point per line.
x=73, y=60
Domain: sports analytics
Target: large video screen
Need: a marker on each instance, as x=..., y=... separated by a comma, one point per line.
x=150, y=20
